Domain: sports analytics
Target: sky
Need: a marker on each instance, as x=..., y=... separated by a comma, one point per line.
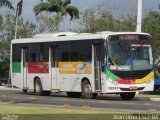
x=116, y=7
x=122, y=6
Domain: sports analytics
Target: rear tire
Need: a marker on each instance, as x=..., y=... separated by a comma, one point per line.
x=38, y=87
x=87, y=91
x=128, y=95
x=74, y=94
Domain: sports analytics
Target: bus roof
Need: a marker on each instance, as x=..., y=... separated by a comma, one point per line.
x=69, y=36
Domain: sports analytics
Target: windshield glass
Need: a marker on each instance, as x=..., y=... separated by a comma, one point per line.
x=128, y=57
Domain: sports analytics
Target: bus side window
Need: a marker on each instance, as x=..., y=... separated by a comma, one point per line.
x=16, y=53
x=45, y=52
x=65, y=56
x=35, y=57
x=86, y=51
x=35, y=53
x=75, y=51
x=74, y=56
x=65, y=51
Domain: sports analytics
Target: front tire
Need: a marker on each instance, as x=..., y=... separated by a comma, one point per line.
x=87, y=91
x=128, y=95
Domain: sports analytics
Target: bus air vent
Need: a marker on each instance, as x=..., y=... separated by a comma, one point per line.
x=49, y=35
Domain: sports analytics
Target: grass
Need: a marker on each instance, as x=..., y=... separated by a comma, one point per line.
x=38, y=109
x=43, y=112
x=39, y=112
x=148, y=95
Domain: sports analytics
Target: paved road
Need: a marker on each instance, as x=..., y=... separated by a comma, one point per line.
x=101, y=102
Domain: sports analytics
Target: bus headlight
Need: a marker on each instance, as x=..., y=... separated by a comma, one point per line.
x=148, y=82
x=112, y=81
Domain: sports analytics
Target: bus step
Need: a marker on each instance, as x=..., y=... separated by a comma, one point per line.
x=55, y=91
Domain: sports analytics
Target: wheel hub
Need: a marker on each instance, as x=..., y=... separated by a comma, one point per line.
x=37, y=87
x=87, y=89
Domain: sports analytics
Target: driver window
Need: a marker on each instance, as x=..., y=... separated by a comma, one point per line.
x=115, y=54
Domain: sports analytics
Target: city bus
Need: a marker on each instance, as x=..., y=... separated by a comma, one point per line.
x=83, y=64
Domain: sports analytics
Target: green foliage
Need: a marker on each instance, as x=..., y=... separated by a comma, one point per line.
x=49, y=23
x=88, y=21
x=151, y=24
x=105, y=21
x=57, y=6
x=60, y=7
x=6, y=3
x=25, y=29
x=4, y=68
x=156, y=74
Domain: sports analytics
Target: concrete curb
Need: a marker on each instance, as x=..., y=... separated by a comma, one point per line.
x=136, y=98
x=143, y=98
x=154, y=99
x=7, y=88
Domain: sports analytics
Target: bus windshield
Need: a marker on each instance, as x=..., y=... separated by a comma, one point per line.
x=129, y=57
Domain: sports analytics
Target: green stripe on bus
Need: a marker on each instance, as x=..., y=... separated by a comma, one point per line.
x=16, y=67
x=109, y=74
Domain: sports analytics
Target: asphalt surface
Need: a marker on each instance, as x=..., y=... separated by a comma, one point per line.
x=113, y=102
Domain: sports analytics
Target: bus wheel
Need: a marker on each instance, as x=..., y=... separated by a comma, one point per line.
x=38, y=87
x=127, y=96
x=87, y=91
x=74, y=94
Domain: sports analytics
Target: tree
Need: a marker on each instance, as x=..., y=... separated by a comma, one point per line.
x=95, y=21
x=151, y=23
x=58, y=6
x=89, y=21
x=48, y=23
x=25, y=29
x=5, y=3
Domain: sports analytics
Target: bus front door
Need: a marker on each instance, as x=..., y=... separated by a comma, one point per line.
x=54, y=58
x=24, y=52
x=97, y=66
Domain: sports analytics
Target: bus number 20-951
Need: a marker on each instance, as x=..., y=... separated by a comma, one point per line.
x=112, y=88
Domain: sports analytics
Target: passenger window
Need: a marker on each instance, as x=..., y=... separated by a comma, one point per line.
x=86, y=51
x=65, y=51
x=35, y=53
x=75, y=51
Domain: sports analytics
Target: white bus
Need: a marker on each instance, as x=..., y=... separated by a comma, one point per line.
x=83, y=64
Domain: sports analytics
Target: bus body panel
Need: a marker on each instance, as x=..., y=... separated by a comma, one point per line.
x=72, y=73
x=72, y=82
x=112, y=88
x=55, y=78
x=44, y=80
x=16, y=79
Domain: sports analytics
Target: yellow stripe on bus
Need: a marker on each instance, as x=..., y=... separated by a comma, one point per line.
x=145, y=79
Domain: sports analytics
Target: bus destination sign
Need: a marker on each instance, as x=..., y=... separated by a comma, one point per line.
x=129, y=37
